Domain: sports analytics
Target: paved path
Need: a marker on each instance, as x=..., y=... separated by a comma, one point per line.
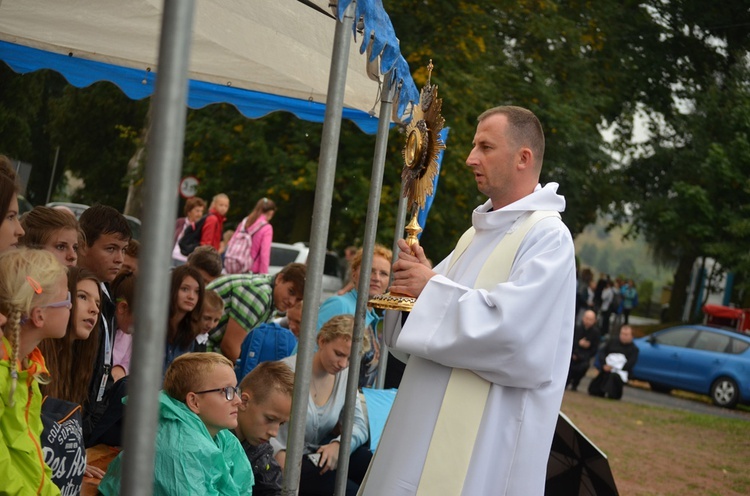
x=641, y=394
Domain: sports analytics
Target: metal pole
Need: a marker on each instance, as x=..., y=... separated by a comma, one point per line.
x=399, y=233
x=371, y=227
x=318, y=241
x=162, y=175
x=52, y=177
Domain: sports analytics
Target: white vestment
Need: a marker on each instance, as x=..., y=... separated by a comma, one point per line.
x=518, y=336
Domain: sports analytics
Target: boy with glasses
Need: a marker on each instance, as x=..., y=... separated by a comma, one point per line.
x=196, y=452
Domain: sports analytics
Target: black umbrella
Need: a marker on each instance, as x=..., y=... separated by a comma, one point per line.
x=576, y=466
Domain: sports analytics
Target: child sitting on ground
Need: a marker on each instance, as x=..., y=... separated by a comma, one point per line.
x=195, y=453
x=266, y=405
x=35, y=300
x=213, y=309
x=123, y=290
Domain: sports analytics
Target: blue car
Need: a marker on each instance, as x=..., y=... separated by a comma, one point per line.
x=696, y=358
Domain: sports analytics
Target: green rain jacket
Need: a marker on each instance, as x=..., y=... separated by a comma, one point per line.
x=22, y=467
x=188, y=461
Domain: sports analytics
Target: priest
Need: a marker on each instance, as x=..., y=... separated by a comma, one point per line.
x=490, y=334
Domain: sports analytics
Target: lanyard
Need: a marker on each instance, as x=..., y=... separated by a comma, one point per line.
x=107, y=350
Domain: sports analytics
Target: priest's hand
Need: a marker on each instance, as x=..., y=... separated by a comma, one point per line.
x=412, y=271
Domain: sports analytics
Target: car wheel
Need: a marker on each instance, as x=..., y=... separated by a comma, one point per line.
x=725, y=392
x=659, y=388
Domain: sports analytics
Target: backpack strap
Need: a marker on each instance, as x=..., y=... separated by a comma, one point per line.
x=257, y=229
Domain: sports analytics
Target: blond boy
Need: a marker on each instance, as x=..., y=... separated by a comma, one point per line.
x=266, y=405
x=213, y=309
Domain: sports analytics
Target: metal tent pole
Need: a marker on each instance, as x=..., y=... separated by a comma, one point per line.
x=162, y=173
x=399, y=233
x=318, y=240
x=371, y=227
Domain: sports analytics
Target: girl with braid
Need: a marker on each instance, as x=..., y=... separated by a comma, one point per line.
x=35, y=300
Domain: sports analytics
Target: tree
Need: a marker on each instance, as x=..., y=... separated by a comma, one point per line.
x=97, y=129
x=575, y=65
x=25, y=106
x=692, y=191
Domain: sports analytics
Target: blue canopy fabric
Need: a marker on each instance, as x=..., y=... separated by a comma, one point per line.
x=139, y=84
x=379, y=38
x=259, y=56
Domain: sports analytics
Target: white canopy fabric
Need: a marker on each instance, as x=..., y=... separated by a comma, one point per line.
x=280, y=49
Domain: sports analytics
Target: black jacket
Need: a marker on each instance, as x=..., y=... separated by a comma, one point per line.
x=266, y=470
x=615, y=346
x=592, y=334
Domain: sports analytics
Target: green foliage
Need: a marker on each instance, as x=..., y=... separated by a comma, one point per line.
x=646, y=290
x=580, y=65
x=622, y=256
x=97, y=129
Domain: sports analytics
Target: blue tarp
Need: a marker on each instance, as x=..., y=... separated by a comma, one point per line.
x=138, y=83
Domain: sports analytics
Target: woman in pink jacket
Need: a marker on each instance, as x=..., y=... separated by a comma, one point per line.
x=258, y=228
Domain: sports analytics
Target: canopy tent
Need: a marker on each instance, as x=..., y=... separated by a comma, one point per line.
x=258, y=55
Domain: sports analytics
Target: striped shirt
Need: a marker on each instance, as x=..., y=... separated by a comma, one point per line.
x=248, y=299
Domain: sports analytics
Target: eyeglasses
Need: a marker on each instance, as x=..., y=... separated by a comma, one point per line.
x=229, y=391
x=66, y=303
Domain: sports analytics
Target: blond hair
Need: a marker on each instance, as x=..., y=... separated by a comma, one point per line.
x=267, y=377
x=212, y=300
x=186, y=373
x=27, y=280
x=216, y=198
x=377, y=250
x=40, y=223
x=341, y=326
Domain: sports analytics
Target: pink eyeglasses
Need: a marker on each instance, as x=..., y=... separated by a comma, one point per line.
x=66, y=303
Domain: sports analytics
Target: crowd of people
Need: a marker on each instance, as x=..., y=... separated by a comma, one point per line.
x=67, y=311
x=603, y=308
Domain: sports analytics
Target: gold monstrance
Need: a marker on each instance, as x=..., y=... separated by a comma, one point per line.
x=423, y=145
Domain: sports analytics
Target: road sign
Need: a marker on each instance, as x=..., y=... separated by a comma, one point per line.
x=188, y=186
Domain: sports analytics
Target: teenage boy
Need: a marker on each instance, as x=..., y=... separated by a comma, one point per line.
x=130, y=263
x=249, y=300
x=107, y=236
x=266, y=405
x=207, y=261
x=196, y=452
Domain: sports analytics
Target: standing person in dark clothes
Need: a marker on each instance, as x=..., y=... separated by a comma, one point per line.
x=601, y=284
x=194, y=208
x=616, y=360
x=266, y=405
x=585, y=344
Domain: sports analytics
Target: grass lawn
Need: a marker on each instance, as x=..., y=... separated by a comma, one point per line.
x=659, y=451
